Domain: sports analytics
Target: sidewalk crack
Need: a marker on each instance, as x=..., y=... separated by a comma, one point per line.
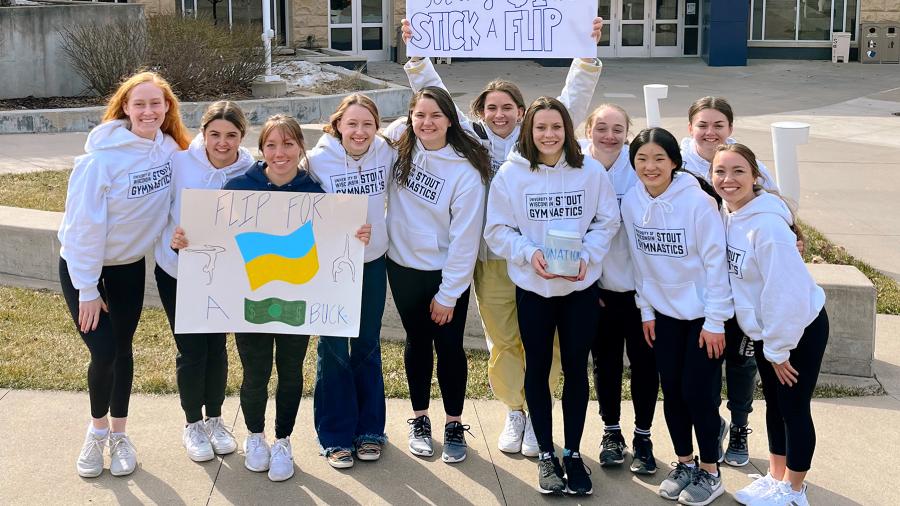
x=488, y=448
x=221, y=458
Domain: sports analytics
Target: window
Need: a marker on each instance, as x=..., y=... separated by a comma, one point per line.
x=802, y=20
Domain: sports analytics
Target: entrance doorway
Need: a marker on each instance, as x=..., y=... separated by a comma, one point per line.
x=648, y=28
x=359, y=27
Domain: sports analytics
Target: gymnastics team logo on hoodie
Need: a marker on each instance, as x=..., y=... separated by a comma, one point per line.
x=364, y=182
x=425, y=185
x=291, y=258
x=148, y=181
x=661, y=242
x=554, y=206
x=736, y=261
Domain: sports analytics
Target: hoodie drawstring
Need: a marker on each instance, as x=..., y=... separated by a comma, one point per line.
x=648, y=213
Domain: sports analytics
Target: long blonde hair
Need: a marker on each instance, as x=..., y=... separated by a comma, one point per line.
x=352, y=99
x=172, y=125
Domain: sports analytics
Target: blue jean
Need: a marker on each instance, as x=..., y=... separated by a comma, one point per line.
x=348, y=401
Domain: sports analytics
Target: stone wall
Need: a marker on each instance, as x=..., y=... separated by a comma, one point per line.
x=31, y=60
x=154, y=7
x=873, y=11
x=309, y=18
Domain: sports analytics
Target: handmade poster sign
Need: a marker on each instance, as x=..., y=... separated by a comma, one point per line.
x=501, y=28
x=279, y=262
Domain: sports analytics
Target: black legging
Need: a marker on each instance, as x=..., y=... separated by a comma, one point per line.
x=619, y=329
x=413, y=291
x=574, y=316
x=111, y=370
x=201, y=365
x=690, y=382
x=788, y=418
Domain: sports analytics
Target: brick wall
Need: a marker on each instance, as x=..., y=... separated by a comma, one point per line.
x=309, y=18
x=879, y=10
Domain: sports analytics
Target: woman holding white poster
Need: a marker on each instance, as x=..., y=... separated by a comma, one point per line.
x=496, y=119
x=349, y=406
x=214, y=157
x=552, y=215
x=435, y=212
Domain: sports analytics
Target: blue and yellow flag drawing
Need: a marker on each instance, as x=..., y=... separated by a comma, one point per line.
x=291, y=258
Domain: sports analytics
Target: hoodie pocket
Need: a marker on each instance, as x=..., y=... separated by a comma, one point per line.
x=423, y=246
x=130, y=239
x=746, y=319
x=679, y=300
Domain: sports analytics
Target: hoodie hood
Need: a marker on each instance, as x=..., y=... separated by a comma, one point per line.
x=115, y=135
x=764, y=203
x=213, y=176
x=681, y=182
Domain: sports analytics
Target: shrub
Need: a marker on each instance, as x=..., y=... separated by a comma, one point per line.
x=103, y=55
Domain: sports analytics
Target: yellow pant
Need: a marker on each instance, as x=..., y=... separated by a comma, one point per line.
x=496, y=297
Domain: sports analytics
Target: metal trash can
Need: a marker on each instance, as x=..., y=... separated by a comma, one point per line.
x=840, y=47
x=871, y=42
x=890, y=51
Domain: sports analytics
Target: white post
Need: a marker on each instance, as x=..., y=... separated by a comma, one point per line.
x=195, y=9
x=786, y=136
x=230, y=17
x=182, y=8
x=267, y=40
x=653, y=93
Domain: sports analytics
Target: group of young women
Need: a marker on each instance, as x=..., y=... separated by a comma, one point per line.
x=683, y=258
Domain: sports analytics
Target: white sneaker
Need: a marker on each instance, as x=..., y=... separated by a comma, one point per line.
x=256, y=452
x=196, y=442
x=529, y=441
x=513, y=431
x=755, y=490
x=782, y=495
x=122, y=454
x=90, y=460
x=221, y=439
x=281, y=466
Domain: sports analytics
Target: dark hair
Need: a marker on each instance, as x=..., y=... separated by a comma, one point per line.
x=501, y=85
x=529, y=150
x=227, y=110
x=463, y=143
x=659, y=136
x=717, y=103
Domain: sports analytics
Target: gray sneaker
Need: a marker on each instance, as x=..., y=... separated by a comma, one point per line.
x=420, y=436
x=454, y=442
x=702, y=490
x=737, y=454
x=723, y=428
x=678, y=478
x=122, y=454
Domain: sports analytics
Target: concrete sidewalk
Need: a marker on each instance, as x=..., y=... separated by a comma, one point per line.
x=44, y=431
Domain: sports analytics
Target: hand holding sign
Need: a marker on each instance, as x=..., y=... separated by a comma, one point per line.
x=511, y=29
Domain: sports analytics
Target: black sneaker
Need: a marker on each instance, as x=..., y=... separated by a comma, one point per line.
x=737, y=453
x=643, y=461
x=550, y=476
x=578, y=481
x=612, y=448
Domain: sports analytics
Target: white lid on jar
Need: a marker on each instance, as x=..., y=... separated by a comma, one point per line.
x=564, y=234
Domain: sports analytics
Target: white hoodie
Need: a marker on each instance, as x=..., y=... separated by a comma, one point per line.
x=191, y=169
x=693, y=162
x=117, y=202
x=525, y=204
x=678, y=248
x=576, y=96
x=775, y=298
x=618, y=272
x=434, y=222
x=338, y=172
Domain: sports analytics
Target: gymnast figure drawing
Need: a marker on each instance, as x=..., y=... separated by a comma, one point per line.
x=211, y=252
x=343, y=262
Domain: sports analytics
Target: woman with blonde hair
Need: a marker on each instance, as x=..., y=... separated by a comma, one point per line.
x=116, y=206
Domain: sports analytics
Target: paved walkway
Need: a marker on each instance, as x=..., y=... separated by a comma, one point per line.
x=44, y=430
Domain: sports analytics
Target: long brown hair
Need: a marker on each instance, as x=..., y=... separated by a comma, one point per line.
x=463, y=143
x=501, y=85
x=352, y=99
x=172, y=124
x=526, y=145
x=717, y=103
x=288, y=126
x=748, y=155
x=227, y=110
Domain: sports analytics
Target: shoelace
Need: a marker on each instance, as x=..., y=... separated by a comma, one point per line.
x=547, y=467
x=93, y=445
x=340, y=455
x=219, y=431
x=368, y=447
x=516, y=428
x=702, y=476
x=195, y=434
x=680, y=470
x=455, y=434
x=609, y=442
x=738, y=437
x=279, y=449
x=121, y=447
x=421, y=426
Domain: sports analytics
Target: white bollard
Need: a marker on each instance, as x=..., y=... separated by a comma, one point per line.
x=653, y=93
x=786, y=136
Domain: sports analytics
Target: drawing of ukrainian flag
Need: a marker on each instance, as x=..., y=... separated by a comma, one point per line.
x=291, y=258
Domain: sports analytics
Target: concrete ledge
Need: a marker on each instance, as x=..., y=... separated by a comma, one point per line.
x=392, y=101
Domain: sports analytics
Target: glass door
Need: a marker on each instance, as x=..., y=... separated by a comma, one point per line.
x=642, y=28
x=665, y=39
x=633, y=24
x=359, y=27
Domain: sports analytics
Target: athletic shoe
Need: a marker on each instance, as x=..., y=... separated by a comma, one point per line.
x=703, y=489
x=737, y=454
x=782, y=495
x=755, y=490
x=678, y=478
x=122, y=454
x=723, y=428
x=642, y=461
x=513, y=432
x=281, y=464
x=90, y=460
x=256, y=452
x=550, y=476
x=368, y=450
x=221, y=439
x=339, y=458
x=196, y=442
x=612, y=448
x=420, y=436
x=578, y=481
x=530, y=446
x=454, y=442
